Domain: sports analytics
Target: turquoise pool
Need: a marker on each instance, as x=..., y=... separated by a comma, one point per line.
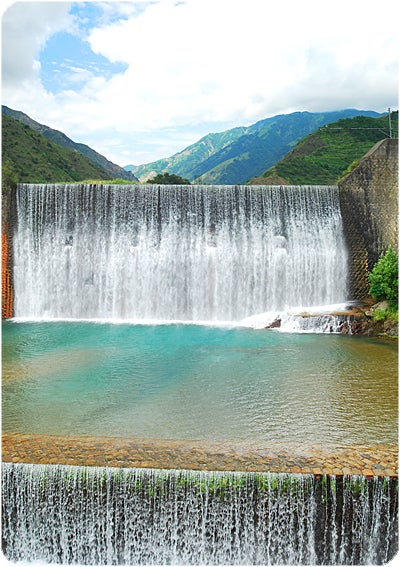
x=197, y=382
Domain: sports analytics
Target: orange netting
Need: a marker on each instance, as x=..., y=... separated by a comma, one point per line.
x=6, y=285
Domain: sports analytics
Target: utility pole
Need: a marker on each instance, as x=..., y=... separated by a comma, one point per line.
x=390, y=124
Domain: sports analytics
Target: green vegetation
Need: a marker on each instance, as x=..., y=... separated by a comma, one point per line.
x=326, y=147
x=384, y=278
x=59, y=138
x=326, y=155
x=103, y=482
x=9, y=177
x=352, y=166
x=191, y=157
x=168, y=179
x=391, y=314
x=358, y=486
x=107, y=182
x=34, y=159
x=239, y=154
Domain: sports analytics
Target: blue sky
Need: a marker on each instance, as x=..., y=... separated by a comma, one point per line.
x=138, y=81
x=67, y=61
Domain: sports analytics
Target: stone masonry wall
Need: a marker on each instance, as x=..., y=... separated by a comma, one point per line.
x=8, y=215
x=369, y=206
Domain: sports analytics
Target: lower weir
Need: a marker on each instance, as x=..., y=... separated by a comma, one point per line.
x=104, y=515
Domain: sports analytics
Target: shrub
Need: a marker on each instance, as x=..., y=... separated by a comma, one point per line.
x=352, y=166
x=384, y=314
x=107, y=182
x=168, y=179
x=9, y=177
x=384, y=278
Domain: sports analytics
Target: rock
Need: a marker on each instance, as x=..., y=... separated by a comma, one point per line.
x=382, y=306
x=391, y=328
x=274, y=324
x=345, y=329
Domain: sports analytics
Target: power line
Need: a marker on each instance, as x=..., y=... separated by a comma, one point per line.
x=380, y=129
x=327, y=127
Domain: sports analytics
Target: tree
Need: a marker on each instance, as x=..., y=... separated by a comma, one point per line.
x=384, y=278
x=9, y=177
x=168, y=179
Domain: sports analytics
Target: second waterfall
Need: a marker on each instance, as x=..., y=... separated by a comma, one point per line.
x=188, y=253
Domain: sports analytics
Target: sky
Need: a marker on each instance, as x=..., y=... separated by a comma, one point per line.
x=139, y=81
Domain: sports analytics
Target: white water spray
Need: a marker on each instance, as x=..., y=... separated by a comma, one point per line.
x=189, y=253
x=90, y=515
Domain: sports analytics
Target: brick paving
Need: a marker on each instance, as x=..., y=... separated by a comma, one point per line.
x=379, y=460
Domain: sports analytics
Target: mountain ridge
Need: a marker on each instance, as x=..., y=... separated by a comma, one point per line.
x=226, y=157
x=56, y=136
x=241, y=153
x=29, y=157
x=326, y=154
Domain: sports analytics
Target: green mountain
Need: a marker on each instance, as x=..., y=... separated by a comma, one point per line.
x=322, y=157
x=112, y=171
x=236, y=155
x=35, y=159
x=187, y=161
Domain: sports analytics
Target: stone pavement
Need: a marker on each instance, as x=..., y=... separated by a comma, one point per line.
x=379, y=460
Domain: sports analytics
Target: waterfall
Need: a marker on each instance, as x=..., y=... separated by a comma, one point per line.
x=189, y=253
x=89, y=515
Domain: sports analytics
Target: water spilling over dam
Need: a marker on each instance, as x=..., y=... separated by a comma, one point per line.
x=191, y=253
x=89, y=515
x=84, y=254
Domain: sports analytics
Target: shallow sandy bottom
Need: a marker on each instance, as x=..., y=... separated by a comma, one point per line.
x=380, y=460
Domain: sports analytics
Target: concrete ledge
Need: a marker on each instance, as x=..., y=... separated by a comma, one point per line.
x=377, y=460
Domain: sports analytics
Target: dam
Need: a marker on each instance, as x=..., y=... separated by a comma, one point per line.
x=132, y=336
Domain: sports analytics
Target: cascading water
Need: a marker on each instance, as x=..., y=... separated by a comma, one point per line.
x=89, y=515
x=187, y=253
x=190, y=253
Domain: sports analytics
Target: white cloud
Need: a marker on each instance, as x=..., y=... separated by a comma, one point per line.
x=214, y=61
x=218, y=60
x=25, y=28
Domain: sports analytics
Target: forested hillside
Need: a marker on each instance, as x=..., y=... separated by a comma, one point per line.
x=34, y=159
x=323, y=157
x=236, y=155
x=111, y=170
x=299, y=148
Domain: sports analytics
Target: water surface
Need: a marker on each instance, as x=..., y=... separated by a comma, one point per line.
x=197, y=382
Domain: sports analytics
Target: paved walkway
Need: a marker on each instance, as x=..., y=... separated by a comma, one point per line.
x=380, y=460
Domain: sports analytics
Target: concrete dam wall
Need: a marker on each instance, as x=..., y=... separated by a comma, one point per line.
x=369, y=206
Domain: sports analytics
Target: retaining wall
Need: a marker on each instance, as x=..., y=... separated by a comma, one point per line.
x=369, y=206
